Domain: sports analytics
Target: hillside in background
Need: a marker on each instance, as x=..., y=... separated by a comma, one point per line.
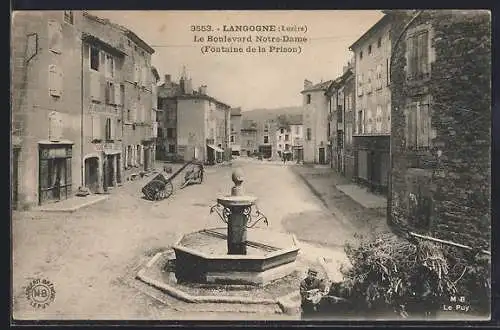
x=261, y=115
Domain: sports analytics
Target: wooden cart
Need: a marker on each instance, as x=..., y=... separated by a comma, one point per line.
x=161, y=188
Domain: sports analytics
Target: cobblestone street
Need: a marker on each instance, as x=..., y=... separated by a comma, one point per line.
x=87, y=253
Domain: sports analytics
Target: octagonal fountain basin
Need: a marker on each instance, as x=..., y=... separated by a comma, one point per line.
x=201, y=257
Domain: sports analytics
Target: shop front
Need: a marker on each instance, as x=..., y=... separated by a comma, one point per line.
x=55, y=181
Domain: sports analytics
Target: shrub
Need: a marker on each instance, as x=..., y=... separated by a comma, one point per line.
x=390, y=274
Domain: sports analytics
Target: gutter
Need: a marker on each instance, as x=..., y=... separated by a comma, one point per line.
x=82, y=169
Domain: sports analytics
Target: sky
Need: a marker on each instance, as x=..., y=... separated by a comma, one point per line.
x=246, y=80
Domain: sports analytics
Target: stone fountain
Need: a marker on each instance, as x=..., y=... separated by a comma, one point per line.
x=240, y=253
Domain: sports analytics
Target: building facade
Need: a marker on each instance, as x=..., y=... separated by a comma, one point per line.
x=341, y=122
x=441, y=111
x=203, y=125
x=249, y=145
x=315, y=116
x=235, y=139
x=371, y=136
x=46, y=106
x=72, y=68
x=289, y=136
x=166, y=143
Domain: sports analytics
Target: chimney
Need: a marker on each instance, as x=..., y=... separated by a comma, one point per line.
x=182, y=84
x=188, y=87
x=307, y=84
x=203, y=89
x=168, y=78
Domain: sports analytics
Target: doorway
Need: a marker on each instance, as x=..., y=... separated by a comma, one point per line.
x=92, y=174
x=146, y=159
x=109, y=172
x=322, y=156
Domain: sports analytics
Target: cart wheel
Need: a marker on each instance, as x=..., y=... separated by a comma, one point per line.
x=168, y=190
x=156, y=186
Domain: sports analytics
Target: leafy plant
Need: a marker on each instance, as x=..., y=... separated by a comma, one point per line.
x=393, y=274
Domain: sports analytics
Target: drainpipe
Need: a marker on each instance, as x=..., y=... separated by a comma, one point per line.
x=82, y=169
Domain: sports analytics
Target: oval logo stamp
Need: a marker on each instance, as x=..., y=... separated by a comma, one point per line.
x=40, y=293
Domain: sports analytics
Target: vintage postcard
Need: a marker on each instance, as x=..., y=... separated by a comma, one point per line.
x=251, y=165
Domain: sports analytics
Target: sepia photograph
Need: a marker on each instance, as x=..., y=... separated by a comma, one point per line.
x=251, y=165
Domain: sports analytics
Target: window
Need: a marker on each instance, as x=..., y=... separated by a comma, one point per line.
x=110, y=93
x=279, y=138
x=171, y=148
x=308, y=98
x=379, y=76
x=297, y=130
x=379, y=42
x=361, y=55
x=308, y=134
x=340, y=140
x=136, y=73
x=232, y=138
x=282, y=131
x=110, y=66
x=369, y=82
x=55, y=36
x=170, y=132
x=418, y=123
x=360, y=122
x=360, y=84
x=266, y=139
x=287, y=137
x=378, y=119
x=279, y=145
x=96, y=127
x=55, y=81
x=369, y=49
x=122, y=95
x=232, y=128
x=369, y=121
x=109, y=129
x=94, y=58
x=418, y=55
x=68, y=17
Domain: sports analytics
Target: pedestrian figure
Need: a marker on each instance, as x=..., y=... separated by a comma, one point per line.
x=312, y=290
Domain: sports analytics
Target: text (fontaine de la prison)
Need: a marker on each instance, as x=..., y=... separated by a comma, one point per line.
x=254, y=39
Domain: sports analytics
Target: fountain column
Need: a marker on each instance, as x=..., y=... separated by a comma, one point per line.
x=237, y=208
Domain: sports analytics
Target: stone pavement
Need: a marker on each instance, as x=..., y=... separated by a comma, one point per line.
x=365, y=211
x=362, y=196
x=72, y=204
x=87, y=253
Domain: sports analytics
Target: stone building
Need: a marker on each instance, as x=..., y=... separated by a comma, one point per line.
x=203, y=125
x=46, y=106
x=289, y=136
x=166, y=145
x=236, y=122
x=341, y=121
x=69, y=82
x=315, y=117
x=118, y=129
x=249, y=145
x=441, y=126
x=371, y=138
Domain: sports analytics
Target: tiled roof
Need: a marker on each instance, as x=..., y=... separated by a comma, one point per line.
x=322, y=86
x=235, y=111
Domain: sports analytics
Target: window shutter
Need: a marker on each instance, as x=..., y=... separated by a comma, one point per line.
x=134, y=112
x=102, y=61
x=55, y=36
x=54, y=88
x=136, y=73
x=96, y=127
x=118, y=100
x=95, y=86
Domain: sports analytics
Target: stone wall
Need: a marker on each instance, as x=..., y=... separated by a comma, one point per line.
x=450, y=178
